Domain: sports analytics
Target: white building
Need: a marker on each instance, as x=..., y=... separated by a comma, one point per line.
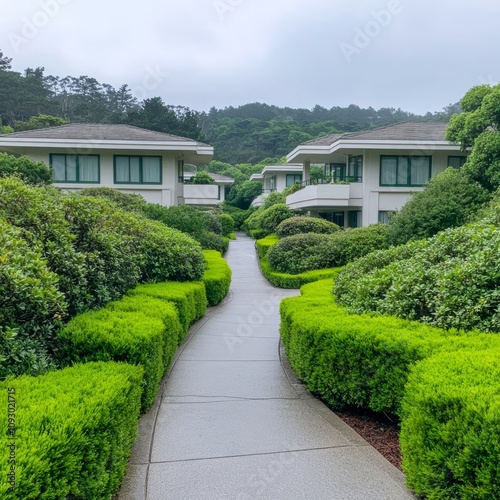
x=276, y=179
x=206, y=195
x=130, y=159
x=369, y=174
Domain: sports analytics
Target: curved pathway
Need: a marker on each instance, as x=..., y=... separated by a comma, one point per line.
x=234, y=423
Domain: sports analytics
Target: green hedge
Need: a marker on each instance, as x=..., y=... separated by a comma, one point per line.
x=295, y=281
x=359, y=360
x=217, y=277
x=258, y=234
x=304, y=225
x=74, y=431
x=145, y=329
x=264, y=244
x=450, y=436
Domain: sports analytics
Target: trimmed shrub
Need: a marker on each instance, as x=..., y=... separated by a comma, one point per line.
x=31, y=172
x=359, y=360
x=239, y=216
x=202, y=177
x=217, y=277
x=105, y=335
x=74, y=431
x=450, y=281
x=264, y=244
x=273, y=216
x=258, y=234
x=447, y=201
x=189, y=298
x=295, y=281
x=272, y=199
x=302, y=225
x=307, y=252
x=300, y=253
x=450, y=429
x=31, y=306
x=212, y=241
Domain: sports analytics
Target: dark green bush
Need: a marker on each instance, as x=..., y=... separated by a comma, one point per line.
x=31, y=306
x=272, y=199
x=227, y=223
x=311, y=251
x=212, y=241
x=302, y=225
x=38, y=212
x=450, y=281
x=217, y=277
x=272, y=217
x=447, y=201
x=299, y=253
x=31, y=172
x=202, y=177
x=450, y=428
x=127, y=201
x=239, y=216
x=74, y=431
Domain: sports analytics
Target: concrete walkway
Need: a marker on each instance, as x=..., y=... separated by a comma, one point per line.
x=234, y=423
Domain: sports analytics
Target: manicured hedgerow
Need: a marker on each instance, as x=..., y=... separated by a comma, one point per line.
x=217, y=277
x=359, y=360
x=72, y=430
x=264, y=244
x=451, y=427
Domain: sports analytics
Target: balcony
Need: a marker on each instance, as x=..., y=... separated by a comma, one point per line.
x=202, y=194
x=326, y=193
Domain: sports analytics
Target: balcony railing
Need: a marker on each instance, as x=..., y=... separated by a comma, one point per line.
x=333, y=179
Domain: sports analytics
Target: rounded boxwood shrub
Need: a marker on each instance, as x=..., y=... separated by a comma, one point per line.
x=128, y=201
x=302, y=225
x=273, y=216
x=299, y=253
x=227, y=224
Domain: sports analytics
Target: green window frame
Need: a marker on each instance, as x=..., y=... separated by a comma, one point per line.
x=457, y=161
x=75, y=169
x=355, y=167
x=292, y=179
x=180, y=171
x=401, y=171
x=354, y=218
x=132, y=169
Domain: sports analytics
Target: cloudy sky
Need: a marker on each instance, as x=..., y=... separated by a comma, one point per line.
x=419, y=55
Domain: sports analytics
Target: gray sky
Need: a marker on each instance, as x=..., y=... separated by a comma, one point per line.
x=419, y=55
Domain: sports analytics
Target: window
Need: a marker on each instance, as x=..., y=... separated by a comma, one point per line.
x=137, y=170
x=456, y=161
x=383, y=217
x=75, y=168
x=355, y=168
x=355, y=218
x=272, y=184
x=405, y=170
x=292, y=179
x=180, y=171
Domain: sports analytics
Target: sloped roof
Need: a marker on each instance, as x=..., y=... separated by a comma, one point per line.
x=407, y=131
x=99, y=132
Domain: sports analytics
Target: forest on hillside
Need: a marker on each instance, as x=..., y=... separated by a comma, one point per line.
x=243, y=134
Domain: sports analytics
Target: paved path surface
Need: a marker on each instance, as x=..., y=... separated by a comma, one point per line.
x=233, y=423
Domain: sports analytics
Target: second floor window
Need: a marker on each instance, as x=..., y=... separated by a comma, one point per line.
x=292, y=179
x=137, y=169
x=405, y=170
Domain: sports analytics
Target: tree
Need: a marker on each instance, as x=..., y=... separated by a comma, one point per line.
x=39, y=121
x=447, y=201
x=478, y=128
x=5, y=62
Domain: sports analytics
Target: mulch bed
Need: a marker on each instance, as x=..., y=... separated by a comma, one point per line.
x=380, y=430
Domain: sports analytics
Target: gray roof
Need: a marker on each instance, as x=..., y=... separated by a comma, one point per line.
x=407, y=131
x=99, y=132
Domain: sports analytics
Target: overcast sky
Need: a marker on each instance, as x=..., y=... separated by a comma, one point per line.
x=419, y=55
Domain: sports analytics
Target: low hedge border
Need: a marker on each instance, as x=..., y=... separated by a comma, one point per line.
x=73, y=431
x=295, y=281
x=144, y=329
x=217, y=277
x=444, y=385
x=264, y=244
